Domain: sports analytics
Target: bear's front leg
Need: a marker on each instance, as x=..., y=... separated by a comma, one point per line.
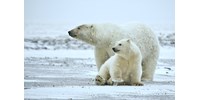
x=100, y=56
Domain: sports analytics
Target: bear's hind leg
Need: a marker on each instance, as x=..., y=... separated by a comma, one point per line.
x=148, y=69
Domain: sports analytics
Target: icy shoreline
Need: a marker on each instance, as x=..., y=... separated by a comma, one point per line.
x=166, y=52
x=64, y=42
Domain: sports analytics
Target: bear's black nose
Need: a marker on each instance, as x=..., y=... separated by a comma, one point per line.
x=72, y=34
x=69, y=32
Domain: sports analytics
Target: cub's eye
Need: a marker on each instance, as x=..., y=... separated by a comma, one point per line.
x=79, y=28
x=120, y=44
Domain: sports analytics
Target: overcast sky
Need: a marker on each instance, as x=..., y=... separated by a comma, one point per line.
x=100, y=10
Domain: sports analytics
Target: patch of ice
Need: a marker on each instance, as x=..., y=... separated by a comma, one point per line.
x=92, y=73
x=60, y=53
x=167, y=53
x=35, y=81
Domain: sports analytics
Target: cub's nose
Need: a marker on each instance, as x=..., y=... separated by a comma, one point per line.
x=113, y=49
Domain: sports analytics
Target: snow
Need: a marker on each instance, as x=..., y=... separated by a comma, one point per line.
x=162, y=87
x=88, y=92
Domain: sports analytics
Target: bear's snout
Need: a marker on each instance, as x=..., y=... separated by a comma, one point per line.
x=71, y=34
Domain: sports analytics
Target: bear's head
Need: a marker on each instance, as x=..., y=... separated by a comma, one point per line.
x=122, y=47
x=83, y=32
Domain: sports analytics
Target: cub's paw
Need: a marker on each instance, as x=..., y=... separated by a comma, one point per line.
x=118, y=82
x=138, y=84
x=99, y=80
x=109, y=82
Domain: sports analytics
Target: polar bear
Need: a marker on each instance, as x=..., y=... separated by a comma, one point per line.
x=103, y=37
x=122, y=68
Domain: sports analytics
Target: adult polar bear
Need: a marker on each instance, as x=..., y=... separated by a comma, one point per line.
x=104, y=36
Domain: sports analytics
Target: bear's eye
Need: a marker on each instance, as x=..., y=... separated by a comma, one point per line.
x=79, y=28
x=120, y=44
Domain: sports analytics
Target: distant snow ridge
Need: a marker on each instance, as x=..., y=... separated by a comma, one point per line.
x=167, y=39
x=63, y=42
x=54, y=43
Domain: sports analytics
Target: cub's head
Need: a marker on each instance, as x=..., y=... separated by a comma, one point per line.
x=83, y=32
x=122, y=47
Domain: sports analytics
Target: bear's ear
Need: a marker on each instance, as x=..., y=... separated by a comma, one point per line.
x=91, y=26
x=128, y=40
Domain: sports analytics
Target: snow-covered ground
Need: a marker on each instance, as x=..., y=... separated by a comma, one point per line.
x=59, y=67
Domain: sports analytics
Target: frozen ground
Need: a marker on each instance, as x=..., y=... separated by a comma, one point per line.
x=57, y=67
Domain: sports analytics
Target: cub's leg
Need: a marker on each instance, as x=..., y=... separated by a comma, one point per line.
x=103, y=75
x=116, y=76
x=136, y=76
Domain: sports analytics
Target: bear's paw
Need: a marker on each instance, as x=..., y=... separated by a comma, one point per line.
x=99, y=80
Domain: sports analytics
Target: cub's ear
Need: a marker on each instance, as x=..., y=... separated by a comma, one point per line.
x=128, y=40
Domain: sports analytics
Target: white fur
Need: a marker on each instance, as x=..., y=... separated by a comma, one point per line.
x=103, y=37
x=124, y=66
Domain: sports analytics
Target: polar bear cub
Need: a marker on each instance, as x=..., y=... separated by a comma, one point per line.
x=122, y=68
